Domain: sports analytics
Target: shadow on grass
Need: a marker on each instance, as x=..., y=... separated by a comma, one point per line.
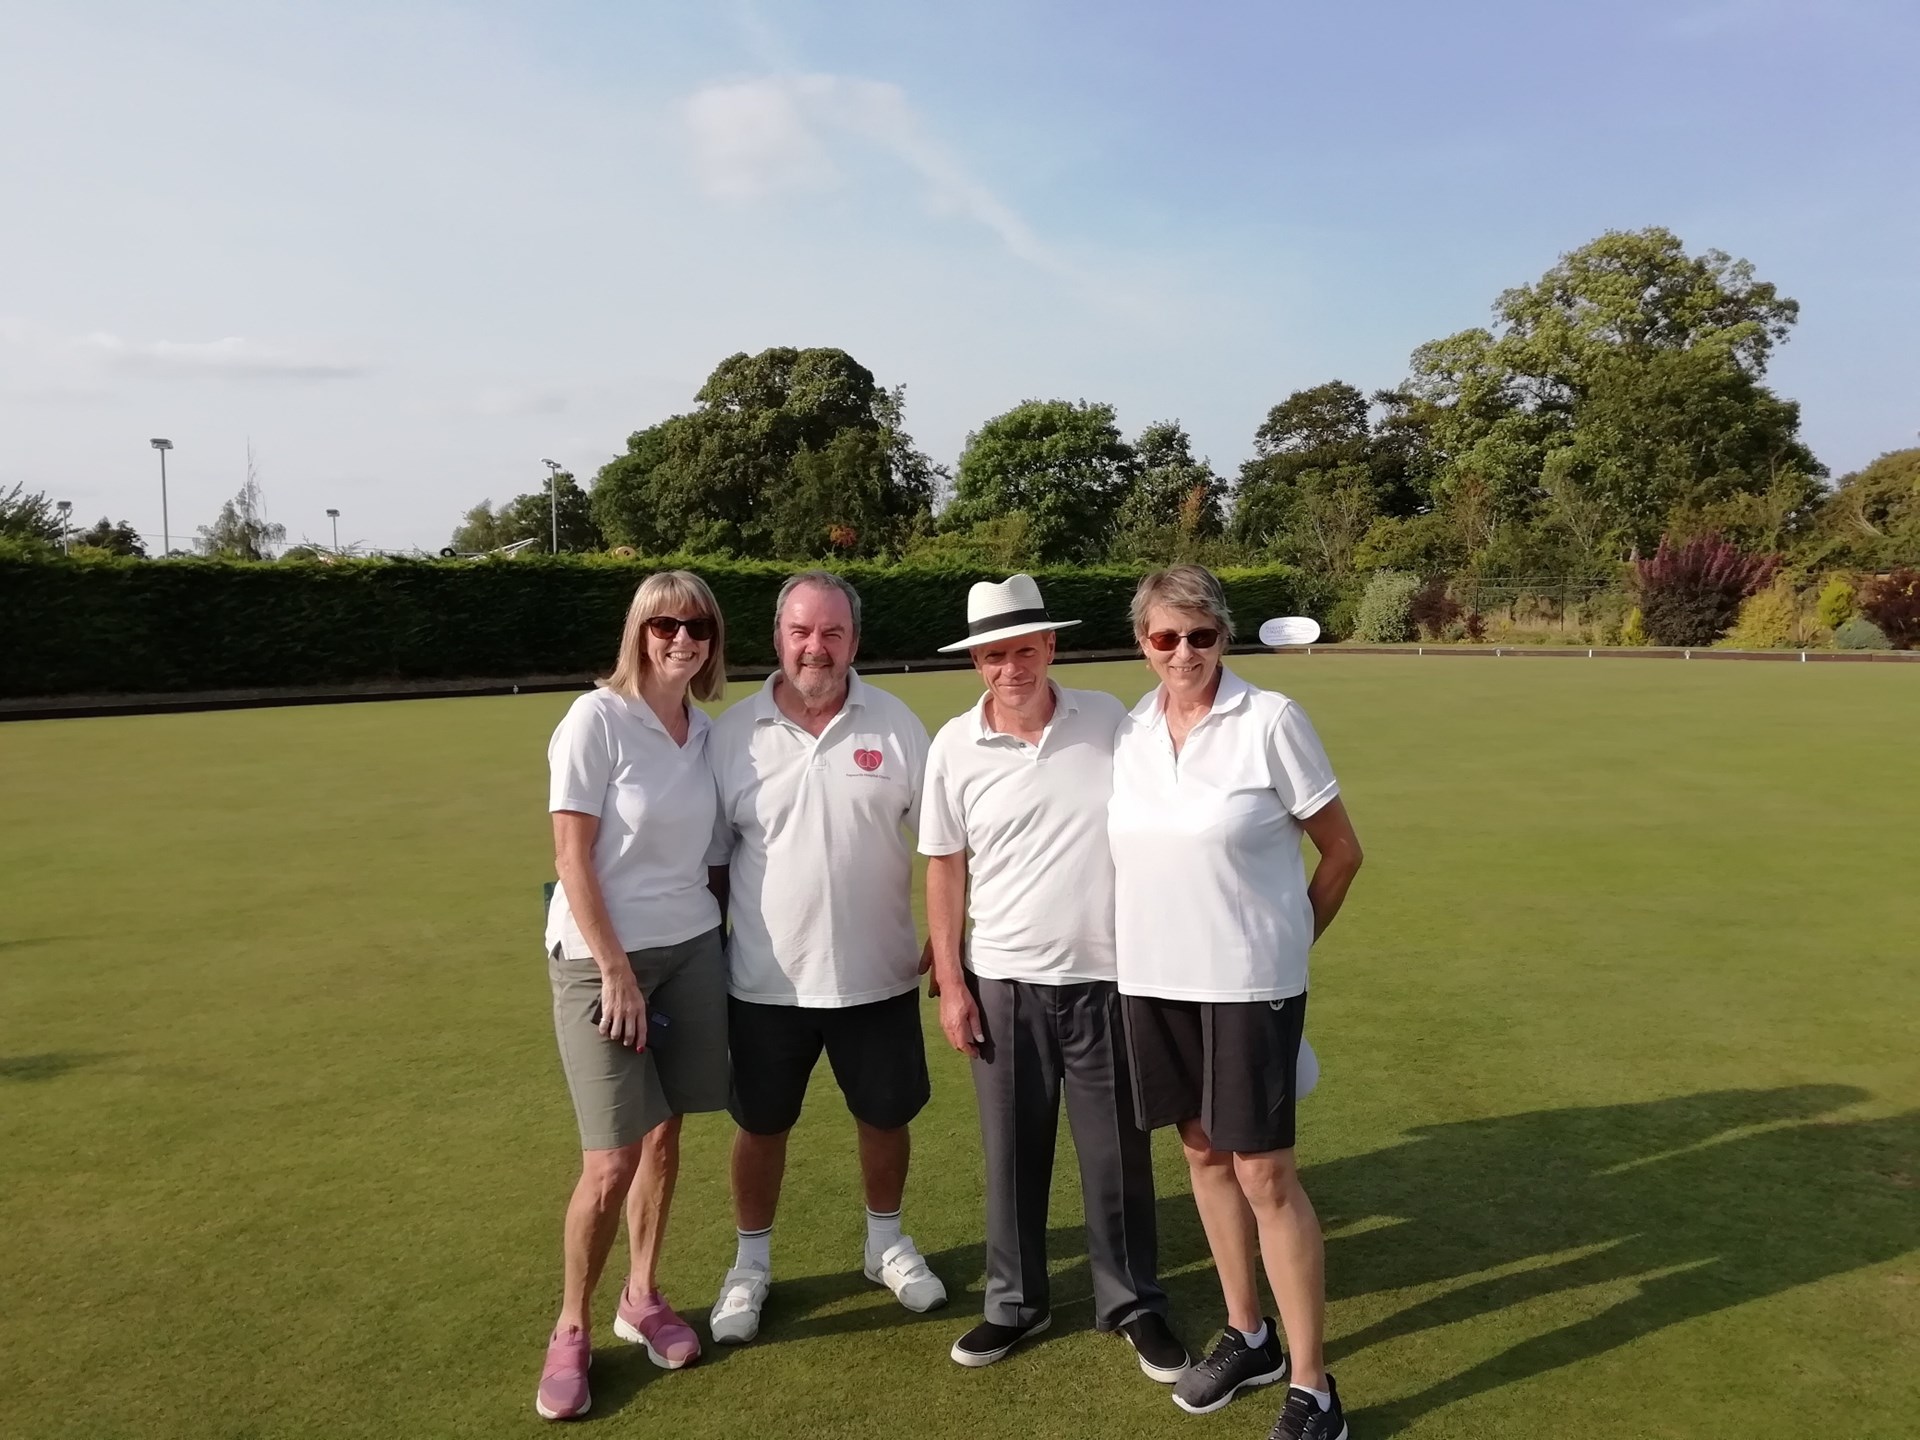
x=49, y=1065
x=1692, y=1205
x=1698, y=1204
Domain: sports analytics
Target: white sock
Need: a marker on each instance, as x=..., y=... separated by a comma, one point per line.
x=883, y=1232
x=1255, y=1338
x=1322, y=1398
x=755, y=1247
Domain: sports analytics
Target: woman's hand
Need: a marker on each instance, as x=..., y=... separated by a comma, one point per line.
x=623, y=1009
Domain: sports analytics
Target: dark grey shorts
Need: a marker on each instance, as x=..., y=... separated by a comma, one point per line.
x=621, y=1094
x=1232, y=1066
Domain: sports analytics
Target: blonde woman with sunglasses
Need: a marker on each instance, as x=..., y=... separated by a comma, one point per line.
x=1215, y=781
x=635, y=958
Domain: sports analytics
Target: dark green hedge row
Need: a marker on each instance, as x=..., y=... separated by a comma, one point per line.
x=135, y=626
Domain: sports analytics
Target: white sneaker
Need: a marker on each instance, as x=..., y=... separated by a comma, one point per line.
x=903, y=1270
x=736, y=1314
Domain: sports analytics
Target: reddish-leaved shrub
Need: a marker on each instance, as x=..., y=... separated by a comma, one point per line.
x=1690, y=593
x=1893, y=603
x=1433, y=609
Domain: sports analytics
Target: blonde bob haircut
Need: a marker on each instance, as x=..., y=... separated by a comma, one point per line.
x=1192, y=588
x=670, y=592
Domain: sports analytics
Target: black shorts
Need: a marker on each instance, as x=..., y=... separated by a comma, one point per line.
x=877, y=1052
x=1229, y=1065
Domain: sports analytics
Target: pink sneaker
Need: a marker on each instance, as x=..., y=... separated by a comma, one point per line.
x=563, y=1381
x=670, y=1341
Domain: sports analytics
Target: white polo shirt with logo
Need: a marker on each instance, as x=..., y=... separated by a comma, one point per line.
x=821, y=888
x=1210, y=885
x=611, y=757
x=1034, y=818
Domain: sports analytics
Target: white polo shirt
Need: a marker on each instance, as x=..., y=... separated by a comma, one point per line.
x=611, y=757
x=1210, y=884
x=1034, y=818
x=822, y=880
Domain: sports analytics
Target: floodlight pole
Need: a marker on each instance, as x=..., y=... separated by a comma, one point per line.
x=166, y=532
x=553, y=491
x=65, y=507
x=334, y=516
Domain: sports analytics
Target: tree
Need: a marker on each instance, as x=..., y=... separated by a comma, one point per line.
x=1174, y=501
x=1871, y=519
x=479, y=531
x=120, y=539
x=1060, y=463
x=797, y=453
x=242, y=530
x=28, y=516
x=1617, y=398
x=1324, y=476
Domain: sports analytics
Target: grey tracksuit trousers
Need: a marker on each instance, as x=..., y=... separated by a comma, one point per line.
x=1042, y=1039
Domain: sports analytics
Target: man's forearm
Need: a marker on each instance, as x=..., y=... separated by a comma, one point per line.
x=946, y=914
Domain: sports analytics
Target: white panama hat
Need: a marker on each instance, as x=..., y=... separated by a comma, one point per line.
x=1000, y=612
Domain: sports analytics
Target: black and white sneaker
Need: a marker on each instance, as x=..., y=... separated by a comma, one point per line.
x=1303, y=1419
x=1233, y=1366
x=1162, y=1356
x=988, y=1342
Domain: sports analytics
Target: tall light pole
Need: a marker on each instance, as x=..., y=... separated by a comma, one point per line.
x=553, y=489
x=65, y=507
x=334, y=516
x=166, y=533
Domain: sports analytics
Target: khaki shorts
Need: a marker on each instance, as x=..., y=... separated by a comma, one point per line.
x=621, y=1094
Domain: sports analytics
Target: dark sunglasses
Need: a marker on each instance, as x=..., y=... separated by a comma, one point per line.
x=1202, y=639
x=698, y=627
x=1168, y=640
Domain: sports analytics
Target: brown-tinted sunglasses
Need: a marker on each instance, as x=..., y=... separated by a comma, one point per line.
x=698, y=627
x=1204, y=638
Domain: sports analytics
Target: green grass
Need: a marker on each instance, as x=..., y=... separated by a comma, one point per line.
x=1619, y=1135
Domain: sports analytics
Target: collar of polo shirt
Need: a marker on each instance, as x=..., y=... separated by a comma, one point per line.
x=1063, y=704
x=1232, y=693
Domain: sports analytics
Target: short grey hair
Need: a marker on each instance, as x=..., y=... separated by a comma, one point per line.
x=1192, y=588
x=825, y=580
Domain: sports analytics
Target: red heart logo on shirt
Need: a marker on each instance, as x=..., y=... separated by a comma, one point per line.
x=867, y=759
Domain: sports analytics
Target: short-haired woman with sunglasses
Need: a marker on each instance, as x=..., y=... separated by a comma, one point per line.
x=1214, y=782
x=635, y=957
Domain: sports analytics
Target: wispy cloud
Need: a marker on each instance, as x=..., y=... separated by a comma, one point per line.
x=231, y=358
x=780, y=133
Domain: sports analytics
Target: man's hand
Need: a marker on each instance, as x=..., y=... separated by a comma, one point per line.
x=960, y=1020
x=623, y=1009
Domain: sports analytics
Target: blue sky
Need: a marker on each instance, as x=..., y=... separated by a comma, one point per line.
x=411, y=250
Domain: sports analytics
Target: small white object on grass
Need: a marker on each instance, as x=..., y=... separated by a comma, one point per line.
x=1289, y=630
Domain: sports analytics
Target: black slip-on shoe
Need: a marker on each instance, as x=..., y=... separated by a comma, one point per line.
x=988, y=1342
x=1162, y=1356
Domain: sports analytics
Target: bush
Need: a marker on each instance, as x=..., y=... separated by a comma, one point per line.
x=1633, y=629
x=1768, y=621
x=107, y=625
x=1893, y=603
x=1386, y=610
x=1474, y=625
x=1434, y=611
x=1691, y=593
x=1836, y=604
x=1858, y=634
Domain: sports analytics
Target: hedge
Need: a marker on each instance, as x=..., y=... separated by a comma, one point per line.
x=103, y=625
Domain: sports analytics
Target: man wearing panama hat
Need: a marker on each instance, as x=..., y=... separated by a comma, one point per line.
x=1015, y=801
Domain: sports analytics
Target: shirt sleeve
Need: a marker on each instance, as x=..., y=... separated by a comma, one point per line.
x=913, y=741
x=579, y=760
x=1302, y=774
x=943, y=829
